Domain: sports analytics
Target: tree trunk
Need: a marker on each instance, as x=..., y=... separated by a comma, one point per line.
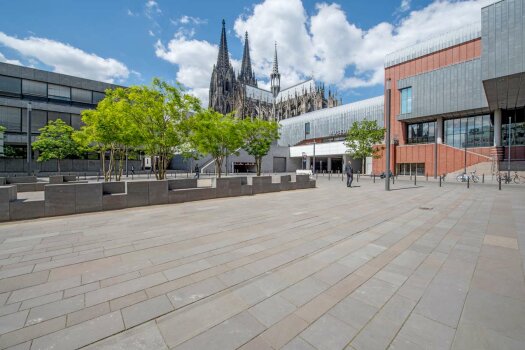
x=103, y=160
x=58, y=166
x=218, y=166
x=363, y=165
x=258, y=165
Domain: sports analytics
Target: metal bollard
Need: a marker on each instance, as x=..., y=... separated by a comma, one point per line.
x=393, y=180
x=468, y=182
x=440, y=181
x=499, y=181
x=374, y=178
x=427, y=177
x=483, y=178
x=415, y=179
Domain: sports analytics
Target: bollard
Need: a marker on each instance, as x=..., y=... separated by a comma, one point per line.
x=427, y=177
x=468, y=182
x=415, y=179
x=357, y=177
x=499, y=181
x=483, y=178
x=374, y=178
x=329, y=174
x=393, y=180
x=410, y=177
x=440, y=181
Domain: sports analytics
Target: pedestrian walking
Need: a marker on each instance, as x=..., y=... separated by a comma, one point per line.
x=197, y=172
x=349, y=174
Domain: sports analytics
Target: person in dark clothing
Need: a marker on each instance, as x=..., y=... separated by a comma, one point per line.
x=349, y=174
x=197, y=171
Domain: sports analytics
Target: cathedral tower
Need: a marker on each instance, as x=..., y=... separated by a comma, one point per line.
x=247, y=76
x=223, y=83
x=275, y=77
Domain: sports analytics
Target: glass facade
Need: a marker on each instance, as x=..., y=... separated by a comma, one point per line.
x=38, y=120
x=476, y=131
x=406, y=100
x=421, y=132
x=517, y=128
x=97, y=97
x=59, y=92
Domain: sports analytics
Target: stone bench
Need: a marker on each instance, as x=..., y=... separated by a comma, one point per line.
x=192, y=194
x=65, y=199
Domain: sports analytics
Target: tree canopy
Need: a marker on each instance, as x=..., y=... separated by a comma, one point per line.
x=215, y=134
x=258, y=136
x=362, y=137
x=55, y=142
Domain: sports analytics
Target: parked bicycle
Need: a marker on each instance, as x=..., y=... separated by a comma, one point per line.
x=505, y=178
x=465, y=177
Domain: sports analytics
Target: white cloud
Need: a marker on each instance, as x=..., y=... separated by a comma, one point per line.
x=189, y=20
x=66, y=59
x=5, y=60
x=150, y=32
x=405, y=6
x=326, y=45
x=152, y=7
x=131, y=13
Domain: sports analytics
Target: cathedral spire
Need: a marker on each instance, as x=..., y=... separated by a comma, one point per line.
x=223, y=60
x=275, y=69
x=246, y=76
x=275, y=77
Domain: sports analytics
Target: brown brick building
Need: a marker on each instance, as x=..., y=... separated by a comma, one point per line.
x=454, y=97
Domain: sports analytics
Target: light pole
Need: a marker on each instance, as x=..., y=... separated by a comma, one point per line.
x=508, y=160
x=29, y=138
x=466, y=138
x=387, y=137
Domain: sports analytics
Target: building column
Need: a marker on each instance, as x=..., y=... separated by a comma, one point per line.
x=439, y=130
x=329, y=164
x=497, y=127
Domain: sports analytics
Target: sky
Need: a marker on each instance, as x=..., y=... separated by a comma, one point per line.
x=341, y=44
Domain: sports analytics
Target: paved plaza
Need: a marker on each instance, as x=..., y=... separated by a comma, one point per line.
x=326, y=268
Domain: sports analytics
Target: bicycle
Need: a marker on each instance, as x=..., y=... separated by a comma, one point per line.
x=508, y=179
x=465, y=177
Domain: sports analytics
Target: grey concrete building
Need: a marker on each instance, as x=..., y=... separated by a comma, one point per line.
x=51, y=95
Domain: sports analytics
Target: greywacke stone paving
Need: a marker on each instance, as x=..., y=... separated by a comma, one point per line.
x=329, y=268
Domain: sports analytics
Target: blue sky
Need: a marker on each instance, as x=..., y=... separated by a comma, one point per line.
x=129, y=42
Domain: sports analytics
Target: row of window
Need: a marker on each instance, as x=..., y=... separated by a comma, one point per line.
x=410, y=169
x=15, y=119
x=475, y=131
x=31, y=89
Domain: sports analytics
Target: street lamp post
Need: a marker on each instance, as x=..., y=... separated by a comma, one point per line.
x=508, y=160
x=387, y=137
x=29, y=138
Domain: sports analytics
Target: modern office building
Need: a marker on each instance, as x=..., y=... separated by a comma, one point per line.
x=458, y=100
x=321, y=134
x=51, y=95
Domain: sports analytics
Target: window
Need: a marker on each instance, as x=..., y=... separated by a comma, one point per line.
x=38, y=120
x=66, y=117
x=34, y=88
x=517, y=128
x=10, y=118
x=410, y=169
x=476, y=131
x=59, y=92
x=9, y=86
x=79, y=95
x=421, y=132
x=406, y=100
x=76, y=121
x=98, y=96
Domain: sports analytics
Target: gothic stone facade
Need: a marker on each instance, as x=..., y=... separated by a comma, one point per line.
x=242, y=96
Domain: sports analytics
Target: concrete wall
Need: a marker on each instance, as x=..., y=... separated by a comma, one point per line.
x=76, y=198
x=11, y=166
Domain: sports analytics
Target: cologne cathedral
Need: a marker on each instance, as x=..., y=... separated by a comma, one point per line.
x=242, y=96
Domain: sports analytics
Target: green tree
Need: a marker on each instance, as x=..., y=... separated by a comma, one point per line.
x=160, y=113
x=258, y=136
x=215, y=134
x=2, y=130
x=362, y=138
x=55, y=142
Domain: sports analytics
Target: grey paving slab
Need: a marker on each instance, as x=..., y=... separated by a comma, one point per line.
x=289, y=269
